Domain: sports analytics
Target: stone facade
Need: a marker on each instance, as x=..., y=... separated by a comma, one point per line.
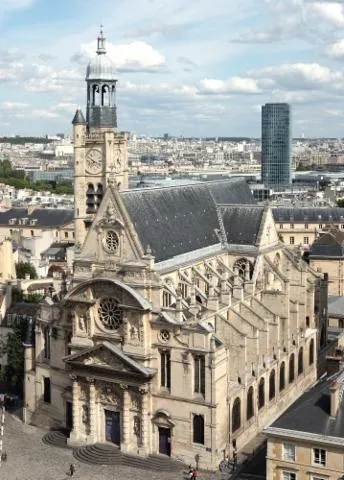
x=187, y=326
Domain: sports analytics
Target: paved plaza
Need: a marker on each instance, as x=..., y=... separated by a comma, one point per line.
x=30, y=459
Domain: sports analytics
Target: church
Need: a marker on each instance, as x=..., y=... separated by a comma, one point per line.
x=187, y=326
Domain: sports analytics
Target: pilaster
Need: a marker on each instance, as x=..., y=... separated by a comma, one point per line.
x=75, y=435
x=92, y=410
x=144, y=420
x=126, y=418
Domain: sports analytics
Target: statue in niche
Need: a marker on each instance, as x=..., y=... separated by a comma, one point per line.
x=134, y=333
x=84, y=414
x=82, y=324
x=111, y=214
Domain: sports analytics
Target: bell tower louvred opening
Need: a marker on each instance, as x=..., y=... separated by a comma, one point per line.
x=101, y=89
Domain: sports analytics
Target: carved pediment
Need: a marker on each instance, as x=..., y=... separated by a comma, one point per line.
x=105, y=359
x=110, y=357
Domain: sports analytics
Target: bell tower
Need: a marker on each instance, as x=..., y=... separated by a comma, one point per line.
x=100, y=151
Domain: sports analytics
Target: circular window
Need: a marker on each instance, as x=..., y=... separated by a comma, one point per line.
x=110, y=314
x=111, y=241
x=164, y=335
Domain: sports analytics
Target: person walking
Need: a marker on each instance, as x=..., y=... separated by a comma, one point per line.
x=71, y=470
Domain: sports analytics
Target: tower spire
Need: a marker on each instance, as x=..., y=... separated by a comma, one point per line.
x=101, y=42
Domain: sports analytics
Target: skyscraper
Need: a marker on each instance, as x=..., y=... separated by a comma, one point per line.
x=276, y=144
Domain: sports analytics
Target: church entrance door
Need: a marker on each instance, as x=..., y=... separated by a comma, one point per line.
x=69, y=415
x=113, y=427
x=164, y=441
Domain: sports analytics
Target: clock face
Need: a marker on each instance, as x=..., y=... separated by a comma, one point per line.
x=94, y=161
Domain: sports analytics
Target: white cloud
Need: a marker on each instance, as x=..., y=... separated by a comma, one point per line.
x=332, y=12
x=134, y=56
x=336, y=49
x=13, y=105
x=298, y=76
x=232, y=85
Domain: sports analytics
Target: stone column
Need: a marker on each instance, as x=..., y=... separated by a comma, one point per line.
x=144, y=419
x=92, y=410
x=126, y=418
x=75, y=433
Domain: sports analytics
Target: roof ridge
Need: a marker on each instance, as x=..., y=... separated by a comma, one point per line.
x=187, y=185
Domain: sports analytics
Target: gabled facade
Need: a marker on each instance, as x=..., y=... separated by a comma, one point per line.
x=187, y=326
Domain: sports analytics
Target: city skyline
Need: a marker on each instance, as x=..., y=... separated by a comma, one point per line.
x=214, y=64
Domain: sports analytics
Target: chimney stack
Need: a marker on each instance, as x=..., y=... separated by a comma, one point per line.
x=334, y=389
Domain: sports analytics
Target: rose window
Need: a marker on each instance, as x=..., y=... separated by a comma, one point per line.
x=111, y=241
x=110, y=314
x=164, y=335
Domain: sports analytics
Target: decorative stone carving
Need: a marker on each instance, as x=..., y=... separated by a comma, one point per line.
x=135, y=401
x=108, y=394
x=83, y=392
x=111, y=214
x=82, y=324
x=85, y=414
x=104, y=358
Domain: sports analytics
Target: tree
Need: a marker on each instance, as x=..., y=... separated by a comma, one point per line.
x=340, y=202
x=12, y=345
x=24, y=268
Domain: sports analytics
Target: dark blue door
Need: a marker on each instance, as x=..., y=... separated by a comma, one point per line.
x=112, y=427
x=164, y=441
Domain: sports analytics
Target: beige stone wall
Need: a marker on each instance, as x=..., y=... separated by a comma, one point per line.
x=303, y=465
x=335, y=270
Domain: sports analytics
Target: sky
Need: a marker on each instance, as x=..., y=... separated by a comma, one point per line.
x=192, y=68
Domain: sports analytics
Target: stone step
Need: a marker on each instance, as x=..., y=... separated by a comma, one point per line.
x=56, y=438
x=104, y=454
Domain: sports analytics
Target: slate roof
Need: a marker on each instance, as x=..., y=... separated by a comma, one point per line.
x=242, y=223
x=79, y=118
x=180, y=219
x=311, y=413
x=308, y=214
x=329, y=244
x=46, y=217
x=335, y=306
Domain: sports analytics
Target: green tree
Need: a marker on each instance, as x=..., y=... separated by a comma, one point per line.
x=340, y=202
x=12, y=345
x=24, y=268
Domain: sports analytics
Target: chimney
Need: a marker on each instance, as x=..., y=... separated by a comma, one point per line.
x=334, y=362
x=334, y=389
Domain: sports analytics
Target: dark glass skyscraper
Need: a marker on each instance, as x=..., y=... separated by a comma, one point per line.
x=276, y=144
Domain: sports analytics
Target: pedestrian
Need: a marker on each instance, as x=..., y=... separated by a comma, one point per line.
x=71, y=470
x=4, y=457
x=190, y=472
x=235, y=458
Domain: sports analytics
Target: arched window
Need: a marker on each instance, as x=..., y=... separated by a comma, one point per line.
x=311, y=352
x=105, y=96
x=300, y=362
x=261, y=393
x=282, y=377
x=272, y=386
x=166, y=298
x=323, y=336
x=249, y=405
x=241, y=264
x=198, y=429
x=47, y=343
x=236, y=415
x=183, y=288
x=291, y=368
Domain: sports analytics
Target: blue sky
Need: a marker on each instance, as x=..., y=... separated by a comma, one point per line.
x=193, y=68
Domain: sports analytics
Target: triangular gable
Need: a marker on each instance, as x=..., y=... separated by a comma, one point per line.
x=106, y=356
x=267, y=235
x=111, y=217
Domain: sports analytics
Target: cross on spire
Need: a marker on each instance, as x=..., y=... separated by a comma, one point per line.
x=101, y=42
